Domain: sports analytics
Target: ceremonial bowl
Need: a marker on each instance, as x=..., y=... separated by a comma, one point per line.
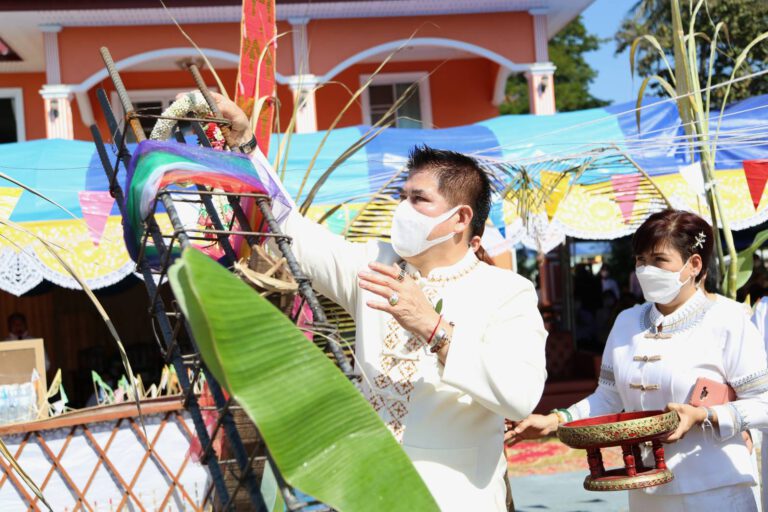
x=629, y=430
x=615, y=429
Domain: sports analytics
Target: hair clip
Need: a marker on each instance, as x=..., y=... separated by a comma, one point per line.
x=700, y=239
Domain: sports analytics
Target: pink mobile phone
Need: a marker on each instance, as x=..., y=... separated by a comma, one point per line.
x=707, y=392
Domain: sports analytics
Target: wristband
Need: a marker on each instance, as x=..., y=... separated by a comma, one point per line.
x=248, y=147
x=440, y=319
x=564, y=415
x=441, y=340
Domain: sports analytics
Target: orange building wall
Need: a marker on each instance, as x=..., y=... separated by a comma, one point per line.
x=508, y=34
x=79, y=46
x=34, y=109
x=460, y=91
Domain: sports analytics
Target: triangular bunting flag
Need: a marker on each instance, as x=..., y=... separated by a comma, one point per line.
x=625, y=191
x=554, y=185
x=691, y=173
x=9, y=197
x=96, y=206
x=756, y=172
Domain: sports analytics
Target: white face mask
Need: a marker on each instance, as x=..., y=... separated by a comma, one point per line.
x=410, y=230
x=659, y=285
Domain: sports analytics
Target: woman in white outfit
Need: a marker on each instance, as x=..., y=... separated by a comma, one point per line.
x=653, y=357
x=760, y=318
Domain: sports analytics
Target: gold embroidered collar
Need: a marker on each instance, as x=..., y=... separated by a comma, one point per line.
x=450, y=273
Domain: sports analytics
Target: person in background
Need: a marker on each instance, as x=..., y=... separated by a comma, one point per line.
x=18, y=330
x=654, y=356
x=605, y=316
x=17, y=327
x=608, y=283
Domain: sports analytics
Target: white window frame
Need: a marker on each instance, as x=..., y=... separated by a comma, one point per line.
x=420, y=77
x=17, y=95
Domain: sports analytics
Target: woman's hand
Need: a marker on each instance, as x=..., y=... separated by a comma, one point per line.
x=412, y=309
x=534, y=426
x=690, y=416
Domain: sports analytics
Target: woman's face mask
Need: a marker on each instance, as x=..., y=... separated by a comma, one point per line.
x=410, y=230
x=659, y=285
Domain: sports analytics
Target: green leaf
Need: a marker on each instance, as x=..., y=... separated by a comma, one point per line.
x=745, y=259
x=324, y=437
x=439, y=306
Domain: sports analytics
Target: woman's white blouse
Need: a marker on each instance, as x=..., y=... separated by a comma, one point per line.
x=644, y=369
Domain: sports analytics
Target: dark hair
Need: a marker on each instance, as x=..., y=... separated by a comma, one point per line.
x=685, y=232
x=16, y=316
x=459, y=179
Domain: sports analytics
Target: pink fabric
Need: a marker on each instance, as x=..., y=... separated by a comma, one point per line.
x=625, y=189
x=96, y=206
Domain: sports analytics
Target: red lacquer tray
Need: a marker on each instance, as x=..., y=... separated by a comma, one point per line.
x=628, y=430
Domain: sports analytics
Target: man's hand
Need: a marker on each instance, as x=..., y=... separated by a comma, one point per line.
x=413, y=311
x=534, y=426
x=690, y=416
x=241, y=126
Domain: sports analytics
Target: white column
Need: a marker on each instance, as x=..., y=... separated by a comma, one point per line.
x=57, y=97
x=541, y=88
x=58, y=111
x=540, y=34
x=51, y=47
x=303, y=87
x=541, y=80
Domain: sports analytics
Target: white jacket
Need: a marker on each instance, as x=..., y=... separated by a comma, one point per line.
x=449, y=420
x=709, y=338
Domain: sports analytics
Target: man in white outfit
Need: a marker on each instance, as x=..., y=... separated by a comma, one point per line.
x=447, y=345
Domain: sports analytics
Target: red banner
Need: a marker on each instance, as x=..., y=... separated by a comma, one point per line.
x=257, y=81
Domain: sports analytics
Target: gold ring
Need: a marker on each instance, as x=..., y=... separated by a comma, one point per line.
x=394, y=299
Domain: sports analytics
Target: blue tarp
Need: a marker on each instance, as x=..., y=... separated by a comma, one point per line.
x=60, y=169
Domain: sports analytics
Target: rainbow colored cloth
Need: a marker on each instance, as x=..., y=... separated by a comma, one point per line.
x=156, y=165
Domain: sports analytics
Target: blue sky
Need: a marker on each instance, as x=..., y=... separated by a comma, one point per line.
x=613, y=81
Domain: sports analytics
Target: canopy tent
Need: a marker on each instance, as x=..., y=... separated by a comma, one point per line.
x=570, y=174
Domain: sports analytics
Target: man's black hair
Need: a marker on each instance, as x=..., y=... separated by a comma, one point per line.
x=460, y=179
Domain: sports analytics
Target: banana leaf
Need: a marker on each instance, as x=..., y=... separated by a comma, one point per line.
x=745, y=259
x=323, y=436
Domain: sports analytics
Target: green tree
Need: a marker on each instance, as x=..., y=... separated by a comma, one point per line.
x=744, y=20
x=572, y=78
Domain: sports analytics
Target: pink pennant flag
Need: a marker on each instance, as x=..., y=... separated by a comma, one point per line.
x=96, y=206
x=625, y=191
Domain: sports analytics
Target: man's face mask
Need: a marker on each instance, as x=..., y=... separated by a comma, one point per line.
x=410, y=230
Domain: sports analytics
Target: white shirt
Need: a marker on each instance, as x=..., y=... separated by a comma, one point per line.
x=448, y=419
x=760, y=319
x=709, y=338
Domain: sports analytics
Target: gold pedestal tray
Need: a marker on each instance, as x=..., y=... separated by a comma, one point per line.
x=628, y=430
